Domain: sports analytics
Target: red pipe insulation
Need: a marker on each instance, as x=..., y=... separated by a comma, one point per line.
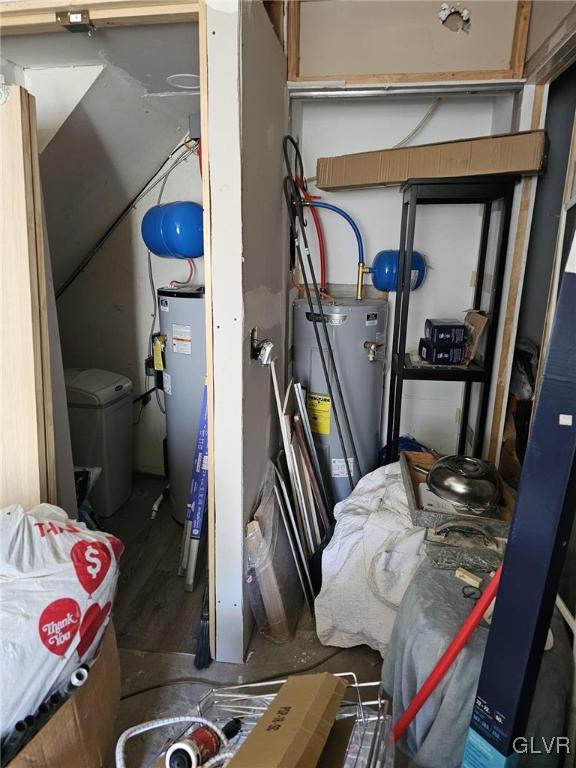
x=450, y=655
x=319, y=232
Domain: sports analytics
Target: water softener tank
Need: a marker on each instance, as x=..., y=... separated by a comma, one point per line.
x=357, y=330
x=182, y=322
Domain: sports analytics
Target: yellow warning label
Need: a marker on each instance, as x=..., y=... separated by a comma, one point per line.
x=157, y=352
x=318, y=407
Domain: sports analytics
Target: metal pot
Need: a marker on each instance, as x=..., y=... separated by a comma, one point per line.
x=464, y=480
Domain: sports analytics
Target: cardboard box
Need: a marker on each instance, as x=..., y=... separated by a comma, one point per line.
x=293, y=731
x=512, y=153
x=81, y=732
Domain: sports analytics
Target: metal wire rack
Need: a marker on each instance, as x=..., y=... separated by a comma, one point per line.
x=370, y=744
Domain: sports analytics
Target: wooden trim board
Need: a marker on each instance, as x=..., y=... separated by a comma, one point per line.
x=520, y=40
x=514, y=294
x=36, y=16
x=206, y=204
x=293, y=33
x=28, y=472
x=514, y=71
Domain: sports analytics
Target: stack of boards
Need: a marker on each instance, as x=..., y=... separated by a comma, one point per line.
x=303, y=498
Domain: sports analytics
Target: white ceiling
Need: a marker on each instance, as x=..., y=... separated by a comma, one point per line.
x=147, y=53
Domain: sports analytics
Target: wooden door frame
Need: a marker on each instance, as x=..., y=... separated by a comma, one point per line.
x=23, y=17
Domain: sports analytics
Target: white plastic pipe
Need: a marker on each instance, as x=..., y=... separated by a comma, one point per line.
x=151, y=724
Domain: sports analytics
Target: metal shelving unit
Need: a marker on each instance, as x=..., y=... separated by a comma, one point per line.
x=483, y=190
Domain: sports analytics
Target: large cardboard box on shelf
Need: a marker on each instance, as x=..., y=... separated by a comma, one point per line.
x=521, y=153
x=81, y=732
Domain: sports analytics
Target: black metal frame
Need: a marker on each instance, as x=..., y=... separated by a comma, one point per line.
x=485, y=190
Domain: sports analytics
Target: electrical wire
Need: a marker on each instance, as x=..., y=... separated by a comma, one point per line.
x=294, y=204
x=433, y=107
x=420, y=125
x=148, y=187
x=191, y=273
x=220, y=684
x=319, y=232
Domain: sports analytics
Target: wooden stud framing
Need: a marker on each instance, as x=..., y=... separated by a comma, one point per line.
x=520, y=40
x=515, y=70
x=293, y=40
x=275, y=11
x=514, y=296
x=35, y=16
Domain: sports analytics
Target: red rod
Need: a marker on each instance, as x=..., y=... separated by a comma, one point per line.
x=450, y=655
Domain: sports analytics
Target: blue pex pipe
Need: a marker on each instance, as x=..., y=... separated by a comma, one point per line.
x=349, y=219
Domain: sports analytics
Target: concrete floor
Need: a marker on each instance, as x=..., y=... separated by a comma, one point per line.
x=152, y=671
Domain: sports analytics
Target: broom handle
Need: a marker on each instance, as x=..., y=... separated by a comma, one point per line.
x=450, y=655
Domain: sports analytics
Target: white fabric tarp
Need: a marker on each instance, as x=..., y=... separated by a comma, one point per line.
x=368, y=564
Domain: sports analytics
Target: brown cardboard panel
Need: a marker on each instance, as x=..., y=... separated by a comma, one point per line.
x=293, y=731
x=512, y=153
x=334, y=753
x=80, y=733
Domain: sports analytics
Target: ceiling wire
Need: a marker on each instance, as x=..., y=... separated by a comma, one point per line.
x=414, y=132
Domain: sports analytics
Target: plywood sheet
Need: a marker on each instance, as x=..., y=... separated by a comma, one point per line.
x=27, y=468
x=362, y=37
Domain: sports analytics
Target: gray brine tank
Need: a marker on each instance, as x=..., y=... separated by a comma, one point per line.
x=357, y=331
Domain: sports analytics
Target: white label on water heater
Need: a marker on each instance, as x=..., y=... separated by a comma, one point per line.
x=164, y=307
x=167, y=382
x=182, y=339
x=339, y=467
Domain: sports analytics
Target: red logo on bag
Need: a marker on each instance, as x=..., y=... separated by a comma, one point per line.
x=117, y=546
x=58, y=624
x=91, y=562
x=91, y=623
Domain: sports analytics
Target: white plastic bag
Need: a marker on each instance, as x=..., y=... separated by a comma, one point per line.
x=57, y=584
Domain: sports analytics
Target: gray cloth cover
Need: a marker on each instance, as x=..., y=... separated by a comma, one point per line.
x=432, y=611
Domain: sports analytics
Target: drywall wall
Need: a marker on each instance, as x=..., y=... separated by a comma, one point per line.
x=146, y=53
x=545, y=17
x=57, y=91
x=448, y=236
x=105, y=315
x=101, y=157
x=265, y=251
x=364, y=37
x=247, y=114
x=117, y=133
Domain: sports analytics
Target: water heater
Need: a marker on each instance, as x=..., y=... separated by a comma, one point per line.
x=357, y=331
x=182, y=322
